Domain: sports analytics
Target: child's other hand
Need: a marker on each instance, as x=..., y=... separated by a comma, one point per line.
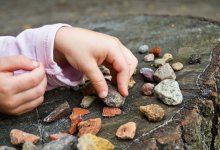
x=21, y=93
x=85, y=50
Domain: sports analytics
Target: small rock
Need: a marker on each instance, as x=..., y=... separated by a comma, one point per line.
x=7, y=148
x=164, y=72
x=194, y=58
x=131, y=83
x=111, y=111
x=156, y=51
x=89, y=126
x=108, y=77
x=80, y=111
x=159, y=62
x=61, y=111
x=149, y=57
x=87, y=101
x=177, y=66
x=29, y=146
x=92, y=142
x=143, y=49
x=104, y=70
x=114, y=98
x=20, y=137
x=65, y=143
x=148, y=73
x=153, y=112
x=167, y=57
x=58, y=136
x=75, y=120
x=126, y=131
x=147, y=89
x=169, y=92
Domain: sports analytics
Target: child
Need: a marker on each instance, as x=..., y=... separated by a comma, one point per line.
x=57, y=55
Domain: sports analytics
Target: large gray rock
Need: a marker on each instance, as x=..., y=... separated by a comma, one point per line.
x=164, y=72
x=169, y=92
x=65, y=143
x=29, y=146
x=7, y=148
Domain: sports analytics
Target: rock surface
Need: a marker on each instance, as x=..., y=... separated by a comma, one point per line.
x=126, y=131
x=92, y=142
x=65, y=143
x=20, y=137
x=111, y=111
x=164, y=72
x=147, y=89
x=61, y=111
x=91, y=126
x=114, y=98
x=169, y=92
x=153, y=112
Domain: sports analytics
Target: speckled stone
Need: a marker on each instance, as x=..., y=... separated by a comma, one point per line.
x=194, y=58
x=147, y=89
x=126, y=131
x=169, y=92
x=143, y=49
x=164, y=72
x=159, y=62
x=153, y=112
x=148, y=73
x=29, y=146
x=167, y=57
x=131, y=82
x=149, y=57
x=177, y=66
x=92, y=142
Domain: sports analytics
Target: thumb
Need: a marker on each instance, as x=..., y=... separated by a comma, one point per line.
x=98, y=81
x=12, y=63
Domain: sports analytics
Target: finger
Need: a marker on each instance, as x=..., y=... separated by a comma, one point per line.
x=28, y=106
x=119, y=64
x=26, y=80
x=18, y=62
x=33, y=93
x=98, y=81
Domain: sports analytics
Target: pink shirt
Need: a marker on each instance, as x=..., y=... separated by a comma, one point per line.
x=38, y=44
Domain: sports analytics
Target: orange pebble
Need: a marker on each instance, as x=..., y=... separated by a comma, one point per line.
x=75, y=120
x=111, y=111
x=58, y=136
x=80, y=111
x=156, y=51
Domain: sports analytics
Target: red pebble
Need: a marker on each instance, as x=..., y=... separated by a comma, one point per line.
x=156, y=51
x=111, y=111
x=58, y=136
x=80, y=111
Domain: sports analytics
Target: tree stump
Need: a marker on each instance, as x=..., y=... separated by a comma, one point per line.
x=191, y=125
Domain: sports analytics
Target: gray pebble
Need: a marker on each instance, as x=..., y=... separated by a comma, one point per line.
x=143, y=49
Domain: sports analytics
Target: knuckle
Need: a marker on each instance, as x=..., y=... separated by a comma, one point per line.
x=40, y=91
x=10, y=104
x=34, y=80
x=5, y=90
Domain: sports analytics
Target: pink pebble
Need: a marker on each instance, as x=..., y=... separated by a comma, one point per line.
x=147, y=89
x=149, y=57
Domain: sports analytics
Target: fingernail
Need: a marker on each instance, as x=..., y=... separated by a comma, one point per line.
x=103, y=94
x=35, y=64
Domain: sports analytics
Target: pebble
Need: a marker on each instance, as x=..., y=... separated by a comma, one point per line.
x=194, y=58
x=148, y=73
x=126, y=131
x=143, y=49
x=114, y=98
x=75, y=120
x=111, y=111
x=169, y=92
x=104, y=70
x=89, y=126
x=147, y=89
x=65, y=143
x=153, y=112
x=177, y=66
x=80, y=111
x=131, y=82
x=92, y=142
x=164, y=72
x=58, y=136
x=61, y=111
x=159, y=62
x=149, y=57
x=20, y=137
x=156, y=51
x=167, y=57
x=87, y=101
x=7, y=148
x=29, y=146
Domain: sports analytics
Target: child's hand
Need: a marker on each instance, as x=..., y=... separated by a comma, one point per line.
x=21, y=93
x=85, y=50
